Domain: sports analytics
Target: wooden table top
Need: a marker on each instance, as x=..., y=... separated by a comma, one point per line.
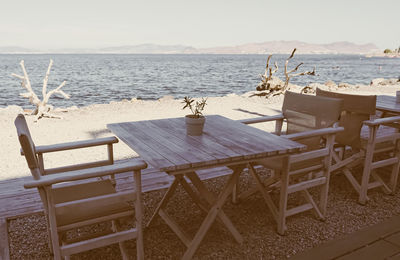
x=165, y=145
x=387, y=104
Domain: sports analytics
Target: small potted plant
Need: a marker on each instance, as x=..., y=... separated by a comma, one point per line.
x=194, y=121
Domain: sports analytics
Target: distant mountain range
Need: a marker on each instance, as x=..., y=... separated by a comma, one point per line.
x=270, y=47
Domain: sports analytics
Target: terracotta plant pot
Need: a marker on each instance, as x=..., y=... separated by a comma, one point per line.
x=194, y=125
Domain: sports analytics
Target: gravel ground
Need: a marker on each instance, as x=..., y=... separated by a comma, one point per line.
x=28, y=236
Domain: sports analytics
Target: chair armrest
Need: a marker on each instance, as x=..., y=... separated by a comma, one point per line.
x=380, y=121
x=75, y=145
x=312, y=133
x=134, y=165
x=261, y=119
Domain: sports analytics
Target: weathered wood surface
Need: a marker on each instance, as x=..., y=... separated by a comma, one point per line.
x=387, y=104
x=16, y=200
x=164, y=144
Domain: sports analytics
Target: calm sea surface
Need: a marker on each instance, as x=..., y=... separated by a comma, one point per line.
x=99, y=78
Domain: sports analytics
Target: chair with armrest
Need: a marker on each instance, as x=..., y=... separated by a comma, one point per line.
x=83, y=195
x=370, y=143
x=309, y=120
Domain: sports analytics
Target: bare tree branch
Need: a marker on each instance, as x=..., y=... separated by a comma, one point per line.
x=42, y=108
x=289, y=75
x=267, y=76
x=46, y=78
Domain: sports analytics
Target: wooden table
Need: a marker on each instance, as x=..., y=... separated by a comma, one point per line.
x=163, y=144
x=387, y=104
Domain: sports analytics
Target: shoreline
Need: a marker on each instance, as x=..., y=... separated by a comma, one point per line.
x=377, y=85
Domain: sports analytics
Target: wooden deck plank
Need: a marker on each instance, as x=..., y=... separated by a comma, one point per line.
x=231, y=140
x=258, y=138
x=254, y=141
x=137, y=132
x=153, y=158
x=180, y=144
x=175, y=126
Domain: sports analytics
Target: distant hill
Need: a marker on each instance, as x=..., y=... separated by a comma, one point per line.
x=149, y=48
x=288, y=46
x=270, y=47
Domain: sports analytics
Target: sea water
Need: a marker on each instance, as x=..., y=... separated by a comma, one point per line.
x=101, y=78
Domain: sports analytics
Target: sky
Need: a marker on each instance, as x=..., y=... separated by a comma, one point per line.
x=52, y=24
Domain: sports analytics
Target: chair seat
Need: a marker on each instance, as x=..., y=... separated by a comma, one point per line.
x=82, y=191
x=276, y=164
x=382, y=132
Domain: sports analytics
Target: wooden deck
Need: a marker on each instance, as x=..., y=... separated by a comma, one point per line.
x=15, y=200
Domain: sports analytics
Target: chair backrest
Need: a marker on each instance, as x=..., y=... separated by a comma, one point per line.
x=356, y=110
x=27, y=145
x=306, y=112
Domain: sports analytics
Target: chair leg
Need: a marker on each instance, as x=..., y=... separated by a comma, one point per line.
x=139, y=216
x=366, y=175
x=283, y=197
x=394, y=177
x=115, y=228
x=49, y=234
x=323, y=198
x=282, y=210
x=395, y=169
x=53, y=225
x=67, y=257
x=235, y=190
x=323, y=201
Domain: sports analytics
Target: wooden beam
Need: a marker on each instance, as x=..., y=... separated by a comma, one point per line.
x=92, y=203
x=261, y=119
x=86, y=173
x=98, y=242
x=76, y=145
x=384, y=163
x=296, y=210
x=306, y=184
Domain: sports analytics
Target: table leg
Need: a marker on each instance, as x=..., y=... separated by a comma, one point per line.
x=209, y=196
x=165, y=199
x=262, y=188
x=236, y=191
x=195, y=197
x=206, y=201
x=215, y=210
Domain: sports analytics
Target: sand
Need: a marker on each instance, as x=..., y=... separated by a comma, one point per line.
x=90, y=122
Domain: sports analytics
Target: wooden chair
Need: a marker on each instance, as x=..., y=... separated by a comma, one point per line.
x=309, y=120
x=371, y=143
x=75, y=196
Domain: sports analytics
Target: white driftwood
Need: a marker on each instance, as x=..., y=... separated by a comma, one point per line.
x=268, y=84
x=272, y=86
x=289, y=74
x=42, y=108
x=264, y=85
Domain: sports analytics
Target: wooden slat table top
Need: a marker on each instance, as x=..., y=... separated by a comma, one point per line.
x=387, y=104
x=165, y=145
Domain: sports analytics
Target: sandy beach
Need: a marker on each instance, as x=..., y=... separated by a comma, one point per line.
x=90, y=122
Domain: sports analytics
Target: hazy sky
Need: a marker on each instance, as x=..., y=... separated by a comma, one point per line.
x=201, y=23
